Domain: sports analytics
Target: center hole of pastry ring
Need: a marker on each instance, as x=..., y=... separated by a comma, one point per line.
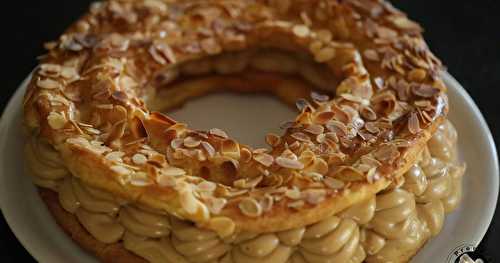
x=247, y=118
x=248, y=94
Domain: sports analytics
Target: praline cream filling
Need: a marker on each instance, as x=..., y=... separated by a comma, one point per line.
x=386, y=227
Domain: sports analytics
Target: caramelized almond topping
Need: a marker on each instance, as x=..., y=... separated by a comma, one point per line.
x=250, y=207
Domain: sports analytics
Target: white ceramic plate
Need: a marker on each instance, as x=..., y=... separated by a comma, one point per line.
x=34, y=227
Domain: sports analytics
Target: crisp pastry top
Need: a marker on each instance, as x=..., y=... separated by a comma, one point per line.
x=87, y=98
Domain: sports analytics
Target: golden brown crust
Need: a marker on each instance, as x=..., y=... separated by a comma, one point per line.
x=106, y=253
x=86, y=100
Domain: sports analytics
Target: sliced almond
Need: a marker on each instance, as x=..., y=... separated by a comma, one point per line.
x=191, y=142
x=57, y=120
x=173, y=171
x=289, y=163
x=264, y=159
x=250, y=207
x=333, y=183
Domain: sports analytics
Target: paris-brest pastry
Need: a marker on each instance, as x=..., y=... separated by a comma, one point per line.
x=366, y=172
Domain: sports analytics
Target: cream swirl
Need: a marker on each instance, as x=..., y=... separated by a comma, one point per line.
x=404, y=219
x=196, y=244
x=153, y=250
x=95, y=210
x=332, y=240
x=395, y=230
x=362, y=213
x=261, y=248
x=45, y=164
x=144, y=223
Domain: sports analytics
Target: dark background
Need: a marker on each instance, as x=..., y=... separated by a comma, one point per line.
x=465, y=35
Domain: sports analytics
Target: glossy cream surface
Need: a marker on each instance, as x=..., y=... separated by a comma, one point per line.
x=390, y=226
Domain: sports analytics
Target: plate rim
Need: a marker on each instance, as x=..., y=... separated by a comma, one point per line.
x=447, y=77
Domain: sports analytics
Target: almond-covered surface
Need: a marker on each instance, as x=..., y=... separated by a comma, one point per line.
x=379, y=99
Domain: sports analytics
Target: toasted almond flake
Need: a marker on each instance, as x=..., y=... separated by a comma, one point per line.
x=215, y=205
x=301, y=104
x=50, y=70
x=191, y=142
x=314, y=129
x=173, y=171
x=69, y=73
x=208, y=148
x=289, y=163
x=314, y=196
x=176, y=143
x=307, y=157
x=121, y=170
x=287, y=125
x=319, y=97
x=337, y=127
x=294, y=146
x=48, y=84
x=425, y=91
x=379, y=83
x=321, y=138
x=293, y=193
x=413, y=123
x=78, y=141
x=115, y=156
x=301, y=30
x=340, y=114
x=218, y=132
x=300, y=136
x=368, y=113
x=386, y=153
x=250, y=207
x=272, y=139
x=140, y=179
x=334, y=183
x=139, y=159
x=371, y=175
x=264, y=159
x=247, y=183
x=162, y=53
x=260, y=150
x=404, y=23
x=188, y=201
x=324, y=117
x=240, y=183
x=266, y=202
x=164, y=180
x=314, y=176
x=353, y=98
x=324, y=54
x=56, y=120
x=234, y=193
x=348, y=174
x=296, y=204
x=230, y=148
x=422, y=103
x=117, y=131
x=417, y=74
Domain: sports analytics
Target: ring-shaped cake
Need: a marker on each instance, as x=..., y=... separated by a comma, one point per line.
x=366, y=171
